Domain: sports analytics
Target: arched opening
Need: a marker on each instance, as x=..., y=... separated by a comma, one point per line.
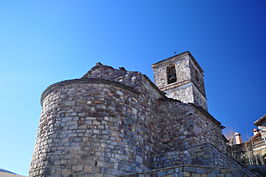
x=171, y=74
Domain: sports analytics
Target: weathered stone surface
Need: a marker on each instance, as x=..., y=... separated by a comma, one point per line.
x=189, y=84
x=117, y=122
x=191, y=171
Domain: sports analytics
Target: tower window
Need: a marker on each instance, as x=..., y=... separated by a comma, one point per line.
x=171, y=74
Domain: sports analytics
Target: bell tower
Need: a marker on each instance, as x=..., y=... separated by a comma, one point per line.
x=181, y=78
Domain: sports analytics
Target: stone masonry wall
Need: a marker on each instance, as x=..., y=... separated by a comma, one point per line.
x=116, y=122
x=182, y=69
x=206, y=130
x=133, y=79
x=189, y=85
x=179, y=129
x=194, y=171
x=180, y=92
x=189, y=91
x=197, y=77
x=199, y=99
x=92, y=129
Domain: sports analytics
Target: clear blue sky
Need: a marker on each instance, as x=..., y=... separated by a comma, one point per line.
x=43, y=42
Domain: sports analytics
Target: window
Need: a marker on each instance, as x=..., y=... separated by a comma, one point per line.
x=171, y=74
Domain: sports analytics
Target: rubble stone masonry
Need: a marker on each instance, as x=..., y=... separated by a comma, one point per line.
x=115, y=122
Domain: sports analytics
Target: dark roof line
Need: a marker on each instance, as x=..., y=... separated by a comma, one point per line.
x=260, y=120
x=183, y=53
x=199, y=108
x=186, y=52
x=225, y=139
x=255, y=136
x=170, y=99
x=154, y=86
x=206, y=113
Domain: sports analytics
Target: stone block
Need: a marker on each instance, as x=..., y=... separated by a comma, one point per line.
x=187, y=174
x=77, y=168
x=66, y=172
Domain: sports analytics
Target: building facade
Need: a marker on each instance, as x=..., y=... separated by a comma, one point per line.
x=114, y=122
x=253, y=151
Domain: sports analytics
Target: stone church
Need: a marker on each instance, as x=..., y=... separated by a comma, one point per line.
x=114, y=122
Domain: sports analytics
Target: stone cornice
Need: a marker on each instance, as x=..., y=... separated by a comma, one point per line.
x=178, y=57
x=85, y=81
x=173, y=85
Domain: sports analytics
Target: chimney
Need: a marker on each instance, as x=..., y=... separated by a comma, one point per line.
x=255, y=131
x=238, y=138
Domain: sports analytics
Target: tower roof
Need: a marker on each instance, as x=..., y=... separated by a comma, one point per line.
x=260, y=120
x=179, y=56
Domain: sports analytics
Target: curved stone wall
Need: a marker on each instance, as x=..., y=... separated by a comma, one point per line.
x=90, y=127
x=117, y=122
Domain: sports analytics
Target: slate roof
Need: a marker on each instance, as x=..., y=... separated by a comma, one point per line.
x=255, y=136
x=260, y=120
